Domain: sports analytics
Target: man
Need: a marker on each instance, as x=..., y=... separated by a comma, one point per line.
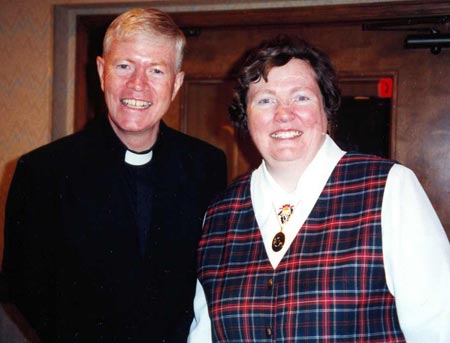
x=102, y=226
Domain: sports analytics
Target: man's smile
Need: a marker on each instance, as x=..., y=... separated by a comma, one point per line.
x=137, y=104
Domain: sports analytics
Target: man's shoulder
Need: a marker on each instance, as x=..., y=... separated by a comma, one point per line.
x=200, y=162
x=68, y=147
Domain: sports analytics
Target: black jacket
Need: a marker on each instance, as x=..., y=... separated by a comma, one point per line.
x=72, y=256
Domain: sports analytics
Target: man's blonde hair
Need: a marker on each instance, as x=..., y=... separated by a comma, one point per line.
x=149, y=22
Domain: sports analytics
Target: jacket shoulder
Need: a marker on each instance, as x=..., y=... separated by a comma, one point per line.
x=74, y=147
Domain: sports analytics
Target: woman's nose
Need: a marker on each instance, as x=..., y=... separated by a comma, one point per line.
x=284, y=112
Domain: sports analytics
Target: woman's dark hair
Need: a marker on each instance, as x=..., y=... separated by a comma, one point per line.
x=276, y=53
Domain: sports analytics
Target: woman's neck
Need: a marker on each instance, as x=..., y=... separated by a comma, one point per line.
x=286, y=174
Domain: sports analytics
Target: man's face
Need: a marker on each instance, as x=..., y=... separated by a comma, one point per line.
x=139, y=78
x=286, y=118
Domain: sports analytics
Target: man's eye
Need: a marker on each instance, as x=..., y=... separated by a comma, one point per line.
x=157, y=71
x=123, y=66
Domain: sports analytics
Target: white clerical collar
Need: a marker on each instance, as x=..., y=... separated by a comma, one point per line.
x=138, y=159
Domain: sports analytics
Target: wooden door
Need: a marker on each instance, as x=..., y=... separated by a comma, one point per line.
x=205, y=104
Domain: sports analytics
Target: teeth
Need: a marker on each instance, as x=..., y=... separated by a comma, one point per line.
x=136, y=103
x=286, y=134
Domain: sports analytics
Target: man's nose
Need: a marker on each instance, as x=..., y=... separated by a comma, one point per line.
x=138, y=80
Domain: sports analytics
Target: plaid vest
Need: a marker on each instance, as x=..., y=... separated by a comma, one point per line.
x=329, y=287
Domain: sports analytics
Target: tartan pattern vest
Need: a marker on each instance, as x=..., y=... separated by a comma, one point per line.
x=329, y=287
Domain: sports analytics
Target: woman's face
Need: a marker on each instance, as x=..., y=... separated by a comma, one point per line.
x=286, y=117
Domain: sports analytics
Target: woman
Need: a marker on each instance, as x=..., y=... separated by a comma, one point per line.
x=316, y=245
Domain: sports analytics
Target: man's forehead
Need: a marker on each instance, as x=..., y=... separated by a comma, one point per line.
x=160, y=49
x=134, y=38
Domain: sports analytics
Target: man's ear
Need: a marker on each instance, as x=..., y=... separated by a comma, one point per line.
x=178, y=82
x=100, y=69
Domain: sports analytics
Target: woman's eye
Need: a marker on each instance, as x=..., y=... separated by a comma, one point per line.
x=265, y=101
x=301, y=98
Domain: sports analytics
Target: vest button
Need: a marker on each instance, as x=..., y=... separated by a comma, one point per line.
x=270, y=283
x=268, y=332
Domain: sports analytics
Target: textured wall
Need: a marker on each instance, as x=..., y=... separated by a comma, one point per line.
x=25, y=83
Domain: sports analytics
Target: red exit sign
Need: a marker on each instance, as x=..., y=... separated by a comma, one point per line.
x=385, y=87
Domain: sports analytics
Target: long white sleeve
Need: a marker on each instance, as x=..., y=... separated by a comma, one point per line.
x=200, y=331
x=417, y=259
